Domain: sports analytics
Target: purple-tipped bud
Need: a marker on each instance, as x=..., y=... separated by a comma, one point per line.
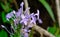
x=10, y=15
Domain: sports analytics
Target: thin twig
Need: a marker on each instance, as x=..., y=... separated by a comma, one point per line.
x=38, y=28
x=58, y=10
x=26, y=5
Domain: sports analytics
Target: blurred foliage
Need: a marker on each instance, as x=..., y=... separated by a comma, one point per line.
x=54, y=30
x=5, y=5
x=17, y=33
x=57, y=35
x=48, y=8
x=6, y=9
x=3, y=17
x=3, y=33
x=16, y=28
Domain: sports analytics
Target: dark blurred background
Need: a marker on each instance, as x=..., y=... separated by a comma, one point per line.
x=34, y=5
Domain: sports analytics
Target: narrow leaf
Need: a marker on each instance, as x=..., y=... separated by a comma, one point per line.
x=48, y=8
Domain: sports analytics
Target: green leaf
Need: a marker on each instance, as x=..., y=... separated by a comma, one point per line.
x=3, y=33
x=48, y=8
x=51, y=30
x=57, y=31
x=6, y=7
x=57, y=35
x=3, y=17
x=10, y=1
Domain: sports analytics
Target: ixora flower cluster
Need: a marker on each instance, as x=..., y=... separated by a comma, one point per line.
x=23, y=18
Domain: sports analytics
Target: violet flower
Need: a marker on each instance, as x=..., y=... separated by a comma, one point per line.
x=33, y=18
x=23, y=17
x=20, y=11
x=26, y=35
x=37, y=14
x=10, y=15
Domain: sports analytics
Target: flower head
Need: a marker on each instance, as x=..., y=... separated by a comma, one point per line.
x=24, y=17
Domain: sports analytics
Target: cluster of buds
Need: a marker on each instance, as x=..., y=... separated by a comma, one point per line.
x=22, y=17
